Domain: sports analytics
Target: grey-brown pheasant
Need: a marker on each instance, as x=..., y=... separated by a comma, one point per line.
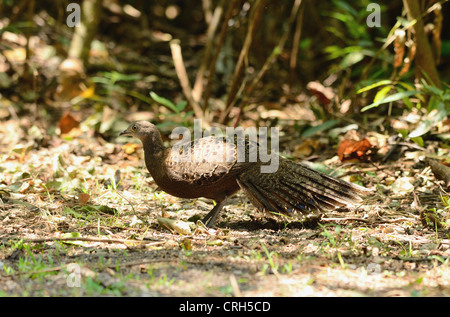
x=208, y=167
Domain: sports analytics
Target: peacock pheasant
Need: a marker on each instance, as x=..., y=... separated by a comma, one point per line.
x=292, y=190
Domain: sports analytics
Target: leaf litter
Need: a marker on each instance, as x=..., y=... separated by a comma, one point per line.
x=67, y=203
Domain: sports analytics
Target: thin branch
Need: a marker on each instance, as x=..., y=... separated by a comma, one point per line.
x=122, y=241
x=206, y=5
x=255, y=15
x=183, y=77
x=402, y=219
x=212, y=64
x=111, y=266
x=199, y=80
x=278, y=49
x=296, y=41
x=295, y=13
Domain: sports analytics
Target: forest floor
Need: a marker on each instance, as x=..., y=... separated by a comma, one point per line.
x=106, y=237
x=81, y=216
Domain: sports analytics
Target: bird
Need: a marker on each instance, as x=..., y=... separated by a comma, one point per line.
x=209, y=167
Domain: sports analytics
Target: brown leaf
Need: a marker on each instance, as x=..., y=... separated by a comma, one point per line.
x=409, y=59
x=324, y=94
x=349, y=149
x=67, y=123
x=306, y=148
x=399, y=47
x=83, y=198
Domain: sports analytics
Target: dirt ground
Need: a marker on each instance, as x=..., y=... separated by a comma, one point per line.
x=80, y=218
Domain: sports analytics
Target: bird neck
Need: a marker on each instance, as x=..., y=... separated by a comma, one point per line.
x=155, y=153
x=153, y=145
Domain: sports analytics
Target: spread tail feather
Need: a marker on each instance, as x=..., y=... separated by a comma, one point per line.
x=295, y=188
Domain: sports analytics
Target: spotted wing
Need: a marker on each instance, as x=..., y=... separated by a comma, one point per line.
x=208, y=160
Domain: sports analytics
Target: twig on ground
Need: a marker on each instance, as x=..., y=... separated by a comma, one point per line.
x=402, y=219
x=86, y=239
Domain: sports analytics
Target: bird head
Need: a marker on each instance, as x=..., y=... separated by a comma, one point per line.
x=147, y=133
x=139, y=129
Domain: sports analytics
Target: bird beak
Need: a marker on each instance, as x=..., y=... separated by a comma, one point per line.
x=125, y=132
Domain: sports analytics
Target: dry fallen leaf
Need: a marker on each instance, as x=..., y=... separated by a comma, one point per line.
x=349, y=149
x=178, y=226
x=399, y=47
x=83, y=198
x=306, y=148
x=89, y=92
x=25, y=186
x=403, y=185
x=67, y=123
x=324, y=94
x=130, y=148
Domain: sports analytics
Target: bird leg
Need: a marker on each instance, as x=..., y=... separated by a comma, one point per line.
x=210, y=218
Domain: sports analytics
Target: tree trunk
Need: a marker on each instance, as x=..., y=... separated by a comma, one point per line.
x=84, y=34
x=425, y=62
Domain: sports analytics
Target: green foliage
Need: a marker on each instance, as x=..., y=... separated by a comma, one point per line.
x=111, y=85
x=176, y=111
x=169, y=104
x=355, y=37
x=348, y=56
x=319, y=128
x=437, y=108
x=332, y=238
x=161, y=280
x=381, y=98
x=30, y=264
x=271, y=257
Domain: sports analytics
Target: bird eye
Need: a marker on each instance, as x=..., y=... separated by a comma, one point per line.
x=134, y=128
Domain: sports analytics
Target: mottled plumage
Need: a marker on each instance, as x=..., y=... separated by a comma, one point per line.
x=209, y=167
